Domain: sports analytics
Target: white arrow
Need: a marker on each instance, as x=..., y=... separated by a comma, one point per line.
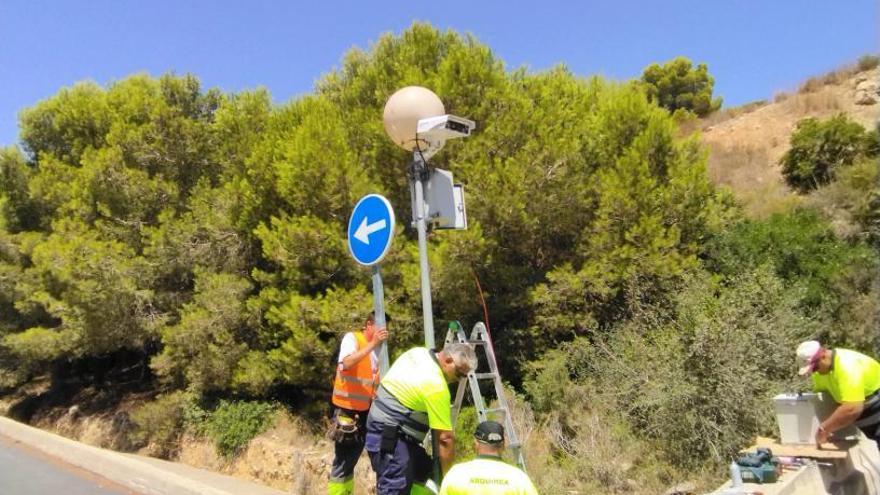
x=363, y=231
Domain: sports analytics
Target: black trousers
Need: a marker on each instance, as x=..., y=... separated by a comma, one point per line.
x=869, y=420
x=347, y=451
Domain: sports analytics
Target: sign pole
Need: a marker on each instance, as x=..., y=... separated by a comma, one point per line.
x=419, y=172
x=379, y=308
x=370, y=232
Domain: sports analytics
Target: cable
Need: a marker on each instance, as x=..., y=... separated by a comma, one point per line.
x=485, y=311
x=482, y=301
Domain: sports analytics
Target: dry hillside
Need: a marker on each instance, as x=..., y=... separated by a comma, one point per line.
x=745, y=143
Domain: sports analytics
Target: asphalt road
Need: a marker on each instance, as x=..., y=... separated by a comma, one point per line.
x=24, y=471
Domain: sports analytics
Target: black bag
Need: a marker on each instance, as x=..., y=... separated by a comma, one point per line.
x=389, y=438
x=345, y=428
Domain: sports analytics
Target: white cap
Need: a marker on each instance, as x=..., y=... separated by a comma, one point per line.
x=806, y=356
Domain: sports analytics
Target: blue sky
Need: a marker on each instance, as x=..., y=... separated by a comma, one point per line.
x=753, y=48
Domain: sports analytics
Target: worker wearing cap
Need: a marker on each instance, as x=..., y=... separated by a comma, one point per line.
x=488, y=474
x=853, y=381
x=357, y=376
x=413, y=399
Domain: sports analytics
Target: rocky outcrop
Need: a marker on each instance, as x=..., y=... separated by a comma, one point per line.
x=867, y=90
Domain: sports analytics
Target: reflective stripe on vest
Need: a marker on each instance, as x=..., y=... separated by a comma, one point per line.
x=353, y=396
x=355, y=387
x=353, y=379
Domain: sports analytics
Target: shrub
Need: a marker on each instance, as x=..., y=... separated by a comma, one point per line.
x=804, y=251
x=695, y=383
x=196, y=416
x=583, y=444
x=868, y=62
x=465, y=425
x=158, y=424
x=596, y=452
x=235, y=423
x=852, y=202
x=819, y=148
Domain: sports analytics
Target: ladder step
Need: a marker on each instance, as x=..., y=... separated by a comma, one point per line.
x=480, y=337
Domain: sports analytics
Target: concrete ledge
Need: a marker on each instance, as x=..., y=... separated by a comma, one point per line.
x=142, y=474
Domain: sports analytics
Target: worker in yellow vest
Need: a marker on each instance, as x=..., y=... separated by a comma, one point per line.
x=357, y=376
x=853, y=381
x=413, y=400
x=488, y=474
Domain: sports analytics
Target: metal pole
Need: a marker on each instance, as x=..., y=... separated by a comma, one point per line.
x=418, y=174
x=379, y=308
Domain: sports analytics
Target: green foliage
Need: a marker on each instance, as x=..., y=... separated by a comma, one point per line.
x=234, y=423
x=206, y=230
x=309, y=253
x=852, y=201
x=97, y=289
x=465, y=425
x=191, y=197
x=204, y=348
x=65, y=126
x=819, y=149
x=18, y=211
x=803, y=250
x=696, y=381
x=160, y=423
x=230, y=424
x=677, y=84
x=309, y=332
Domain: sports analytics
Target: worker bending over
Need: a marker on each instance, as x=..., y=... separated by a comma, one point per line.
x=413, y=399
x=852, y=379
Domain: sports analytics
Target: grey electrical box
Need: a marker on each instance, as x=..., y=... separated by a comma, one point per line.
x=444, y=201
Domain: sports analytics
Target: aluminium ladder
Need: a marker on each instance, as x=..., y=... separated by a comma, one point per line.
x=480, y=339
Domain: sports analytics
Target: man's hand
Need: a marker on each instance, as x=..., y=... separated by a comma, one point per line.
x=822, y=436
x=445, y=449
x=844, y=415
x=379, y=336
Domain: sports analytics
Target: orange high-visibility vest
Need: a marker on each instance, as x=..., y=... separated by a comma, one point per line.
x=355, y=387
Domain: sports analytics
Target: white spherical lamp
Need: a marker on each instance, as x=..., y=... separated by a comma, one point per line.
x=404, y=110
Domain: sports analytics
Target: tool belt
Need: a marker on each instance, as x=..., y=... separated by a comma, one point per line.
x=345, y=428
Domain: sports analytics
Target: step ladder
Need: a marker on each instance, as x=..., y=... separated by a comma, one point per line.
x=480, y=339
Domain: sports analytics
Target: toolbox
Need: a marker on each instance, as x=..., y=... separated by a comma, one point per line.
x=759, y=467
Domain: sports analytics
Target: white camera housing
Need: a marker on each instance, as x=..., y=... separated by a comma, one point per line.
x=434, y=131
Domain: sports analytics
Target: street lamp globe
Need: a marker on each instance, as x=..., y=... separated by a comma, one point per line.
x=404, y=110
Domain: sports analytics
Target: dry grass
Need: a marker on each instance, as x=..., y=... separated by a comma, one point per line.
x=822, y=102
x=108, y=428
x=835, y=77
x=754, y=178
x=290, y=456
x=585, y=449
x=746, y=143
x=731, y=113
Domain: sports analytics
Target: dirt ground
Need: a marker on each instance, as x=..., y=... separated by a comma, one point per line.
x=745, y=144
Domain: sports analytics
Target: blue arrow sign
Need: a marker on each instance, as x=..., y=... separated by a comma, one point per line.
x=370, y=229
